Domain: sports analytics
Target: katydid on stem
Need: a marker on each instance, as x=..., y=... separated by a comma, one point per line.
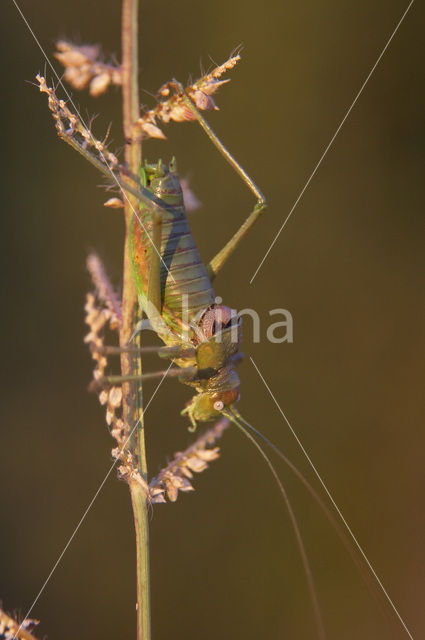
x=168, y=271
x=201, y=335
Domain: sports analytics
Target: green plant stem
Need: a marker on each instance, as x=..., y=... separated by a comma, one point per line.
x=131, y=362
x=138, y=500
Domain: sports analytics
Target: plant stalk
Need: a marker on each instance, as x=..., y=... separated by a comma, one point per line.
x=130, y=361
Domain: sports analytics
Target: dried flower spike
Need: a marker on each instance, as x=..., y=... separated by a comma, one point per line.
x=171, y=105
x=103, y=310
x=177, y=474
x=71, y=129
x=85, y=68
x=104, y=287
x=10, y=628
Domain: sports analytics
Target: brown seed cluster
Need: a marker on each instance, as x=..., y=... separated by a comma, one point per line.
x=103, y=310
x=171, y=105
x=98, y=317
x=128, y=470
x=114, y=203
x=10, y=628
x=178, y=473
x=100, y=313
x=84, y=67
x=104, y=288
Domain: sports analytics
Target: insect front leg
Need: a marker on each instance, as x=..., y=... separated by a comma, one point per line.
x=182, y=374
x=161, y=351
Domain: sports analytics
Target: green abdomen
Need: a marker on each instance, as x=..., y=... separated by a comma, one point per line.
x=184, y=279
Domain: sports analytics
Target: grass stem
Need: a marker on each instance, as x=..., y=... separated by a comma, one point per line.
x=131, y=362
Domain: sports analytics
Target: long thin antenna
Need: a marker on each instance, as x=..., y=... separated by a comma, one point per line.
x=346, y=541
x=307, y=569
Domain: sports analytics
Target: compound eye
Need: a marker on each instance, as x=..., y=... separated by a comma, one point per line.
x=219, y=405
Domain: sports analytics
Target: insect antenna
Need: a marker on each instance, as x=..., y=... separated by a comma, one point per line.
x=371, y=584
x=233, y=417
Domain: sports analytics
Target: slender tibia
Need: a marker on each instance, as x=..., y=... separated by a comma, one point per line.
x=224, y=152
x=216, y=264
x=176, y=372
x=162, y=352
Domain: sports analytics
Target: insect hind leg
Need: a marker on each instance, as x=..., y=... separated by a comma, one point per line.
x=224, y=151
x=216, y=264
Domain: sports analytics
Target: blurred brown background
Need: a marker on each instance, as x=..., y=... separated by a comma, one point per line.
x=348, y=265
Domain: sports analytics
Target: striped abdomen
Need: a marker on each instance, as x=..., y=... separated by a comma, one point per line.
x=184, y=278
